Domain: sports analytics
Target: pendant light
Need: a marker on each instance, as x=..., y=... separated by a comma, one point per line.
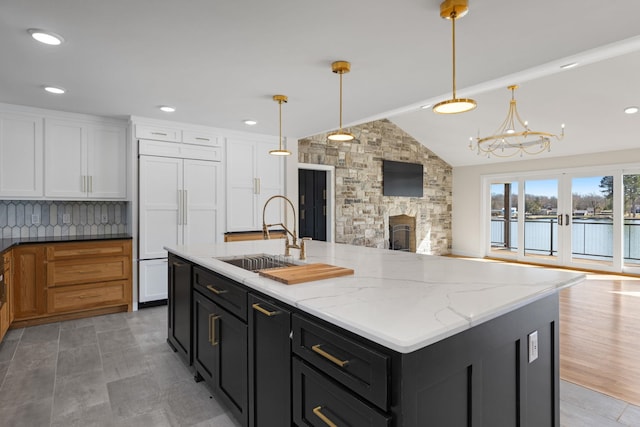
x=280, y=151
x=454, y=9
x=341, y=67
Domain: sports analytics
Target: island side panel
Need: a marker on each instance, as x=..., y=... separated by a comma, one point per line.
x=482, y=376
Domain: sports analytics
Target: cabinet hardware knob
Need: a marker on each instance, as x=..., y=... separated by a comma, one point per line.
x=216, y=290
x=342, y=363
x=318, y=413
x=264, y=311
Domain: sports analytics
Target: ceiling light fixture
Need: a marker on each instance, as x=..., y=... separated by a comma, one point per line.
x=280, y=151
x=55, y=89
x=631, y=110
x=508, y=141
x=167, y=108
x=454, y=9
x=569, y=65
x=46, y=37
x=341, y=67
x=250, y=122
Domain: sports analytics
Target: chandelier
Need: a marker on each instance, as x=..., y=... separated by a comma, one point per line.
x=454, y=9
x=508, y=140
x=280, y=151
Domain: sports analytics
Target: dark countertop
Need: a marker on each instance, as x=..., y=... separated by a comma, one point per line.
x=15, y=241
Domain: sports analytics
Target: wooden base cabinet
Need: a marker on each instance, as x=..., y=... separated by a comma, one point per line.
x=269, y=363
x=67, y=280
x=29, y=281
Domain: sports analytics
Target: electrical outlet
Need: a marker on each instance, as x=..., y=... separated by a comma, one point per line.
x=105, y=218
x=66, y=218
x=35, y=219
x=533, y=346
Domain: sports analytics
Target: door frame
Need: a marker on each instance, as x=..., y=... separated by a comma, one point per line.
x=331, y=195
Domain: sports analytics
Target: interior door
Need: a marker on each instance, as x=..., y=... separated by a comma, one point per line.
x=312, y=188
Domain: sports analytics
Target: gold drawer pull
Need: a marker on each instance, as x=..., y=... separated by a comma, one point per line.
x=212, y=329
x=264, y=311
x=88, y=296
x=216, y=290
x=318, y=413
x=342, y=363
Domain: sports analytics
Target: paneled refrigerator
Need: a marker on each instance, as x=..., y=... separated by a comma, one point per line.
x=179, y=201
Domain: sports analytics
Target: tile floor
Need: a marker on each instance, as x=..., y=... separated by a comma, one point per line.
x=117, y=370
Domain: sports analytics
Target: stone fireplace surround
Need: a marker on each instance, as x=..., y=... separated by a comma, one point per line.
x=362, y=212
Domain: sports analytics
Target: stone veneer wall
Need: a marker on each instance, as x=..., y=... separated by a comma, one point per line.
x=362, y=212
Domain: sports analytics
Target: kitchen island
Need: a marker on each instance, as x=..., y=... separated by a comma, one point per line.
x=408, y=340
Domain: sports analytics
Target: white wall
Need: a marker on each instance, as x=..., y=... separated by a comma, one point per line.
x=467, y=190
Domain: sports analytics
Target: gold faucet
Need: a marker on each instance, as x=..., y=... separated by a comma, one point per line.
x=294, y=236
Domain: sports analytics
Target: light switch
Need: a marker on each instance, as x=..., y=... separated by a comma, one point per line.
x=533, y=346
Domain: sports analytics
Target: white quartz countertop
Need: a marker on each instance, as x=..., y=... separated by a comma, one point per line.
x=403, y=301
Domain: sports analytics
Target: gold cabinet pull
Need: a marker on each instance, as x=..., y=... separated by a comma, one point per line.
x=264, y=311
x=318, y=413
x=342, y=363
x=216, y=290
x=212, y=329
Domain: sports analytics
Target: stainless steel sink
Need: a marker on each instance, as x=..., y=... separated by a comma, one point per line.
x=259, y=261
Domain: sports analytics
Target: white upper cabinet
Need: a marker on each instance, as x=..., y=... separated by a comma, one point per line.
x=253, y=175
x=84, y=160
x=21, y=156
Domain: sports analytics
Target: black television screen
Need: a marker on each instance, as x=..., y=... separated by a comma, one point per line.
x=402, y=179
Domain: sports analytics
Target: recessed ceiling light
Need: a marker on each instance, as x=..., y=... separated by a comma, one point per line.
x=46, y=37
x=424, y=107
x=250, y=122
x=55, y=89
x=167, y=108
x=631, y=110
x=569, y=65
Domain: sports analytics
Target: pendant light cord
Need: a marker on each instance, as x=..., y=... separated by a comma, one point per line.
x=341, y=73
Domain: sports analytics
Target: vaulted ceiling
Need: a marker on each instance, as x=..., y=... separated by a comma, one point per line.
x=220, y=62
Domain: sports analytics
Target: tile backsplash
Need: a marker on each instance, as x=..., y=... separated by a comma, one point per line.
x=35, y=218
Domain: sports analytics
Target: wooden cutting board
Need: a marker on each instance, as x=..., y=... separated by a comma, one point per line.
x=305, y=273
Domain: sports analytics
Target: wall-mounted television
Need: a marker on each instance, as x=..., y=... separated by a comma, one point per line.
x=402, y=179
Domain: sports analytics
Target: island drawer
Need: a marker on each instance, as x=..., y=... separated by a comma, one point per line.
x=222, y=291
x=317, y=401
x=354, y=364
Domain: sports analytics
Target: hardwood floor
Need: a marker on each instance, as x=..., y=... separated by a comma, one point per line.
x=600, y=335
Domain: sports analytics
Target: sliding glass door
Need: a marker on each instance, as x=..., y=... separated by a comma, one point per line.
x=577, y=219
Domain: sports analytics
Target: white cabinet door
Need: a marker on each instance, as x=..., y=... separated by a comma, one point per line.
x=253, y=175
x=65, y=159
x=107, y=162
x=21, y=156
x=160, y=207
x=153, y=280
x=84, y=160
x=201, y=201
x=242, y=185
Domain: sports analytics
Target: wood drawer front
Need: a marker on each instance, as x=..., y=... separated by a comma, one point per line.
x=61, y=273
x=88, y=249
x=364, y=370
x=222, y=291
x=315, y=397
x=79, y=297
